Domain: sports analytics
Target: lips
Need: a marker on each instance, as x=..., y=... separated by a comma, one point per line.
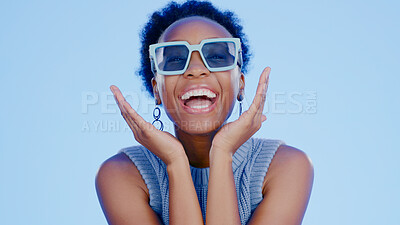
x=198, y=99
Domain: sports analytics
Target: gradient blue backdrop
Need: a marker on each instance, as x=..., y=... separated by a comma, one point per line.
x=332, y=93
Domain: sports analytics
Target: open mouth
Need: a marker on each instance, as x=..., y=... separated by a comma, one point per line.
x=199, y=100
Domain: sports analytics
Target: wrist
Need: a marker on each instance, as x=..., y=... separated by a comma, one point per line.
x=176, y=157
x=220, y=156
x=178, y=163
x=220, y=152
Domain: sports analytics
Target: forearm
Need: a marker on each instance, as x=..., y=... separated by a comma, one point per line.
x=222, y=204
x=184, y=206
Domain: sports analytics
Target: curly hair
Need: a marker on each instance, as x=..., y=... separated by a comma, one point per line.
x=160, y=20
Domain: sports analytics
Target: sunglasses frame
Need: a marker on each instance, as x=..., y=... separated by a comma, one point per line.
x=192, y=48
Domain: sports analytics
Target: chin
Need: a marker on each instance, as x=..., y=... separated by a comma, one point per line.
x=199, y=127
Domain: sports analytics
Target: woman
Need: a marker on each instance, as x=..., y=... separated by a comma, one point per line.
x=213, y=172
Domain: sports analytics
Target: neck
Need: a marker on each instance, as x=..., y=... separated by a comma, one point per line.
x=197, y=147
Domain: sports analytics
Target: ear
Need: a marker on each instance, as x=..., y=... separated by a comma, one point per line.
x=240, y=95
x=155, y=91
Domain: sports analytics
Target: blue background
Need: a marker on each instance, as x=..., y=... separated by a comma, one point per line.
x=332, y=93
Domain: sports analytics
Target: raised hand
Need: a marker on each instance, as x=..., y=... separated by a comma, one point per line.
x=232, y=135
x=161, y=143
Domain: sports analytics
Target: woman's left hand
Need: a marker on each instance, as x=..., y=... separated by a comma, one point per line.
x=232, y=135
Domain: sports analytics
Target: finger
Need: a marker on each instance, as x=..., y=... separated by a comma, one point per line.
x=259, y=101
x=122, y=103
x=263, y=118
x=258, y=98
x=136, y=118
x=265, y=90
x=120, y=100
x=128, y=118
x=263, y=93
x=264, y=96
x=131, y=116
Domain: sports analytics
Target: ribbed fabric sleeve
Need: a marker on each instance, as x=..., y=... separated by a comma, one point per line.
x=262, y=158
x=250, y=164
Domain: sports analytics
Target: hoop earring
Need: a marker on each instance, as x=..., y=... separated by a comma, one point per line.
x=156, y=116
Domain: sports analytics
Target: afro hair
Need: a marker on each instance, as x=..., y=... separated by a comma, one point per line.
x=160, y=20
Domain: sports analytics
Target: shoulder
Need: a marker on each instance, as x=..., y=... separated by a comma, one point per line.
x=122, y=192
x=288, y=164
x=286, y=189
x=288, y=156
x=120, y=169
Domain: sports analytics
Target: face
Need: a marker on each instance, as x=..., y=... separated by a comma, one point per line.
x=179, y=94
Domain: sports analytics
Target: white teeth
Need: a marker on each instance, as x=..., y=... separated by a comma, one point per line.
x=199, y=106
x=198, y=92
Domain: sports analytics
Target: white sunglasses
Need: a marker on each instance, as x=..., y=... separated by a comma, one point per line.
x=218, y=54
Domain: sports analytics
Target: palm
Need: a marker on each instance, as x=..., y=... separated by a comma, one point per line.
x=232, y=135
x=161, y=143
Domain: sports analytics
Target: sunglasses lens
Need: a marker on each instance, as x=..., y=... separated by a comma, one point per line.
x=219, y=54
x=172, y=58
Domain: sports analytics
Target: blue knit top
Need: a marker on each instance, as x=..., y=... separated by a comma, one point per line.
x=250, y=165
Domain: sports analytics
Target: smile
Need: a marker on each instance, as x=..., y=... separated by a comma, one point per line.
x=198, y=100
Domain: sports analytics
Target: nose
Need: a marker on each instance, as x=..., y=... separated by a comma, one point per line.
x=196, y=67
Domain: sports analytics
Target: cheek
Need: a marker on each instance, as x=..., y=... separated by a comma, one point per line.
x=166, y=86
x=160, y=80
x=235, y=82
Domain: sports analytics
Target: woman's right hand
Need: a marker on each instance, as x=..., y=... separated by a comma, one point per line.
x=161, y=143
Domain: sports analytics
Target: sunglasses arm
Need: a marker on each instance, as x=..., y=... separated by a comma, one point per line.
x=153, y=67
